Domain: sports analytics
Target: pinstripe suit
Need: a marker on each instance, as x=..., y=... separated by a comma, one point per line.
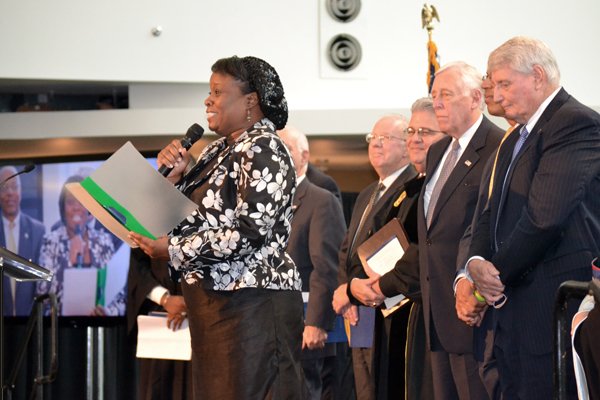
x=543, y=228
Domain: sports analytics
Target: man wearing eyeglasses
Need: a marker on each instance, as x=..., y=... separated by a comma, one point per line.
x=446, y=207
x=388, y=156
x=406, y=346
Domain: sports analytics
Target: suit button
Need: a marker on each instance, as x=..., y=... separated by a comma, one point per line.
x=427, y=278
x=428, y=242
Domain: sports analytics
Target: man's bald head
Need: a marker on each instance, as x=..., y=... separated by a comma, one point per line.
x=298, y=145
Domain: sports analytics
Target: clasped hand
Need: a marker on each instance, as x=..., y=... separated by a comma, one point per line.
x=341, y=304
x=364, y=290
x=468, y=308
x=487, y=280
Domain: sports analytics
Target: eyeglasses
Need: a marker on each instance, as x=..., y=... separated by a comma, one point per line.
x=484, y=78
x=421, y=131
x=382, y=138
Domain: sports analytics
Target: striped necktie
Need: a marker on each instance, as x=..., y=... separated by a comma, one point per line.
x=524, y=134
x=447, y=168
x=374, y=197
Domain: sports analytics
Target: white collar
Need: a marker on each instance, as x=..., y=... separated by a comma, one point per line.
x=536, y=116
x=392, y=178
x=468, y=135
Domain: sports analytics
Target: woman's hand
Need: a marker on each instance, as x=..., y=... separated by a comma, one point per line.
x=158, y=249
x=77, y=246
x=97, y=311
x=176, y=311
x=176, y=157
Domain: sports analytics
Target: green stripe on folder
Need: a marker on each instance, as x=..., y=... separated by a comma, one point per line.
x=105, y=200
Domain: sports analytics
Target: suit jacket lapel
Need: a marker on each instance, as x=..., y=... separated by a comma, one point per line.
x=2, y=238
x=405, y=176
x=24, y=238
x=434, y=157
x=468, y=160
x=300, y=193
x=561, y=97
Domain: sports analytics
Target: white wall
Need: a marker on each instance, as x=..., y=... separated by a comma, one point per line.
x=111, y=41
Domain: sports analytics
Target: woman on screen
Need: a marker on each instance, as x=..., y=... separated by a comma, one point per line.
x=72, y=245
x=241, y=288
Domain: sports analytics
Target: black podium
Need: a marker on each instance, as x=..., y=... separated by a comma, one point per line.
x=22, y=270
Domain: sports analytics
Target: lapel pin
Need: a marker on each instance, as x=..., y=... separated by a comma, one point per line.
x=26, y=235
x=468, y=163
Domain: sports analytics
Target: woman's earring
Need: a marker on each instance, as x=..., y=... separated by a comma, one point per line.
x=249, y=117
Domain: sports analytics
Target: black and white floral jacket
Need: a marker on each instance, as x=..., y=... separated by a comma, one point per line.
x=237, y=236
x=54, y=256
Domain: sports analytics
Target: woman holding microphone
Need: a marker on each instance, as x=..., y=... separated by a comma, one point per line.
x=241, y=288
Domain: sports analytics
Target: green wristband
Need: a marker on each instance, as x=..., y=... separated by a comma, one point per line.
x=478, y=296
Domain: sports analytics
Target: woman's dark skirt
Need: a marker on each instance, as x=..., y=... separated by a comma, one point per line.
x=246, y=344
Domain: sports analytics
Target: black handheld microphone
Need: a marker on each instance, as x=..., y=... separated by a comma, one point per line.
x=193, y=134
x=28, y=168
x=79, y=260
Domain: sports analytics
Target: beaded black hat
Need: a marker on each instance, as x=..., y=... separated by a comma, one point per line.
x=264, y=80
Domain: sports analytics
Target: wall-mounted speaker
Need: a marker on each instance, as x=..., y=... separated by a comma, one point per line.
x=343, y=10
x=342, y=38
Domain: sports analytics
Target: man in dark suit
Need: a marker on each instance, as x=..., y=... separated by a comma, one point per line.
x=446, y=207
x=388, y=156
x=20, y=234
x=149, y=288
x=317, y=232
x=542, y=223
x=322, y=180
x=406, y=341
x=469, y=308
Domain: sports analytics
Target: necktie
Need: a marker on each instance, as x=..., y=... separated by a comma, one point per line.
x=374, y=197
x=524, y=134
x=444, y=174
x=12, y=246
x=522, y=138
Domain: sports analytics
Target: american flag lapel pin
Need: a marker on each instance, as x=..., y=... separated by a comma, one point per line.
x=468, y=163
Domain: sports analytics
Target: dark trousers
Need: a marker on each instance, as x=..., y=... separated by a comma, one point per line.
x=379, y=371
x=456, y=377
x=313, y=368
x=527, y=376
x=165, y=379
